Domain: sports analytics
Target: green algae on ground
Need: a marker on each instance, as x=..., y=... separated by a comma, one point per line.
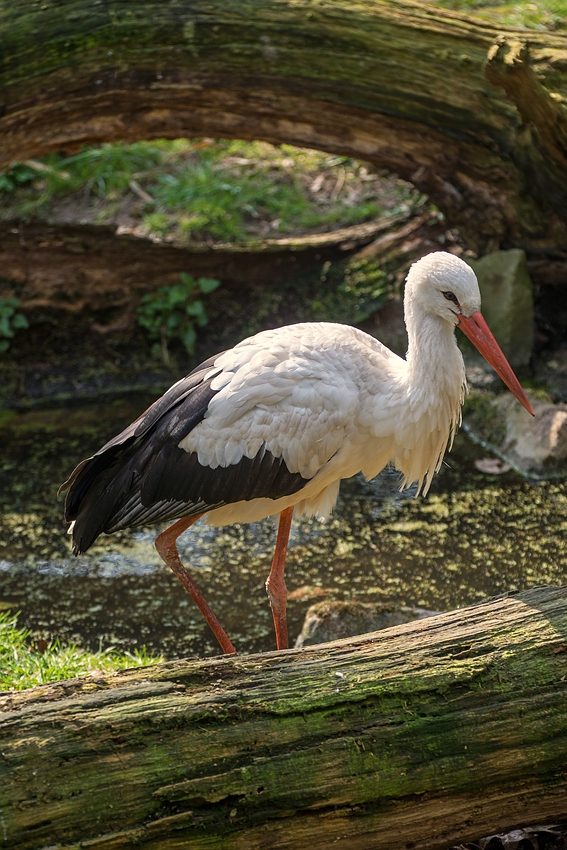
x=39, y=451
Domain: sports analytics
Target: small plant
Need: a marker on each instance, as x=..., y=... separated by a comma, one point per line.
x=107, y=169
x=10, y=321
x=17, y=175
x=174, y=312
x=156, y=223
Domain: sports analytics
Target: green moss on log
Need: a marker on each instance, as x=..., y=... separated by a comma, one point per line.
x=382, y=740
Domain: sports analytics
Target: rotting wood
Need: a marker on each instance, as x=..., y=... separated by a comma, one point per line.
x=424, y=735
x=399, y=84
x=76, y=267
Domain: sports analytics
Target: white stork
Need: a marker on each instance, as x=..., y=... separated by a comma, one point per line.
x=273, y=425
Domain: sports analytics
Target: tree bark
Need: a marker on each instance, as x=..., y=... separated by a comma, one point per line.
x=423, y=736
x=92, y=267
x=471, y=113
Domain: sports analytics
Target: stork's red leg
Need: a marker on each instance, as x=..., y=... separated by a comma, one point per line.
x=167, y=548
x=275, y=584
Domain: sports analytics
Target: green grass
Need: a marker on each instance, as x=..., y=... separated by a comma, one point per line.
x=23, y=666
x=549, y=14
x=204, y=190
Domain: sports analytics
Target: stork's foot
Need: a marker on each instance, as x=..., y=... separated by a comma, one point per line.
x=275, y=584
x=166, y=545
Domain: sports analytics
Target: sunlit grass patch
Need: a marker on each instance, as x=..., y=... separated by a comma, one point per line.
x=23, y=666
x=546, y=14
x=203, y=189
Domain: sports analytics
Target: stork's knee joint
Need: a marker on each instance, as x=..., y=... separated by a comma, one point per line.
x=165, y=548
x=277, y=593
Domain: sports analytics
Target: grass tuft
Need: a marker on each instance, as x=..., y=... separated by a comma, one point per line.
x=23, y=666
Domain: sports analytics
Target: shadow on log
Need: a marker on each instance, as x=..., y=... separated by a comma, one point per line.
x=421, y=736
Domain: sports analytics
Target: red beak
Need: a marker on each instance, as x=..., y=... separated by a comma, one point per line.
x=480, y=335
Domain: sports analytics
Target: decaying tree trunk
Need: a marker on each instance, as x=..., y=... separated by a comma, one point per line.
x=473, y=114
x=423, y=736
x=91, y=267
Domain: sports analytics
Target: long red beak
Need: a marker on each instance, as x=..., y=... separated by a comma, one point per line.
x=481, y=336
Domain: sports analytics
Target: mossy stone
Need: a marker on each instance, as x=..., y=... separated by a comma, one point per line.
x=507, y=302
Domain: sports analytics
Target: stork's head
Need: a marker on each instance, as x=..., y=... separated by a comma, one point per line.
x=441, y=284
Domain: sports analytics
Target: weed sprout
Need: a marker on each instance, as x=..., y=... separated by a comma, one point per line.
x=174, y=313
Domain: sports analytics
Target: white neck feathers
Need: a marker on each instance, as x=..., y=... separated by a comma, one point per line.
x=435, y=387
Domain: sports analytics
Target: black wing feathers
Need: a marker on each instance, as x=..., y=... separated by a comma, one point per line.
x=175, y=474
x=87, y=471
x=142, y=476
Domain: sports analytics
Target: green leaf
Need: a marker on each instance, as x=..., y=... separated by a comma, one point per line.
x=10, y=320
x=208, y=284
x=197, y=309
x=189, y=338
x=171, y=312
x=20, y=321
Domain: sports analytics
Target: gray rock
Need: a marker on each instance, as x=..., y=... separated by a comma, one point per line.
x=535, y=446
x=507, y=302
x=332, y=620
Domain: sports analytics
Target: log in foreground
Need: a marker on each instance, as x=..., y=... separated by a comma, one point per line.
x=420, y=736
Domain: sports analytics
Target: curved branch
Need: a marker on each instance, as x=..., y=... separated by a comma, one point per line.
x=396, y=83
x=508, y=65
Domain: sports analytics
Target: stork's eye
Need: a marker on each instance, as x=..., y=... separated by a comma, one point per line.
x=450, y=296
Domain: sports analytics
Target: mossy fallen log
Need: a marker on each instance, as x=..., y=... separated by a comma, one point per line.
x=473, y=113
x=421, y=736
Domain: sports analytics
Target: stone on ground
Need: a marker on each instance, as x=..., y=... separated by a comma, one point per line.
x=507, y=302
x=332, y=620
x=535, y=446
